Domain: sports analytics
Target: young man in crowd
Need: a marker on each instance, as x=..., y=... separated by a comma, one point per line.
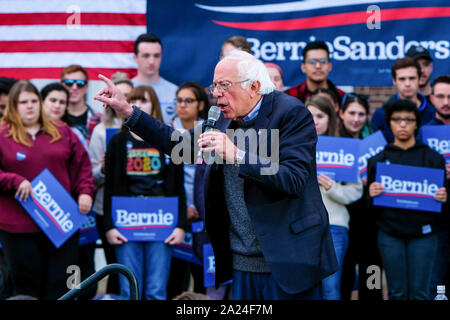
x=79, y=114
x=148, y=56
x=316, y=66
x=423, y=58
x=405, y=76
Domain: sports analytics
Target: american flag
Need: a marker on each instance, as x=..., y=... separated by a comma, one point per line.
x=38, y=38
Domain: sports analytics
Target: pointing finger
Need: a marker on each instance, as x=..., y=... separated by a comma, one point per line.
x=106, y=80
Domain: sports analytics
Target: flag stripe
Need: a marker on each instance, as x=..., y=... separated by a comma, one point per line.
x=55, y=73
x=66, y=46
x=88, y=18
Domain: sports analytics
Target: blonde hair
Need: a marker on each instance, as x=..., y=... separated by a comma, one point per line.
x=13, y=122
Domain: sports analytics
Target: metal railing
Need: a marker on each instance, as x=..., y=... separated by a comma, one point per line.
x=99, y=275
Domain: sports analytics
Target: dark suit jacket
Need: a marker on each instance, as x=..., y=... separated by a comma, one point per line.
x=286, y=208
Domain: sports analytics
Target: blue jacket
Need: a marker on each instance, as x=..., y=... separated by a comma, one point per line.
x=286, y=208
x=426, y=111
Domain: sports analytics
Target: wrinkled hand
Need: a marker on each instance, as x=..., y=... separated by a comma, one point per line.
x=176, y=237
x=115, y=237
x=84, y=203
x=375, y=189
x=24, y=190
x=219, y=143
x=441, y=195
x=325, y=182
x=111, y=96
x=192, y=213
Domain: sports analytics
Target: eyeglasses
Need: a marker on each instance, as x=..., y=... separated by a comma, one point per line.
x=399, y=120
x=70, y=82
x=353, y=95
x=313, y=62
x=187, y=100
x=222, y=87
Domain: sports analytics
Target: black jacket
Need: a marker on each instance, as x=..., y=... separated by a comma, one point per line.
x=116, y=180
x=406, y=223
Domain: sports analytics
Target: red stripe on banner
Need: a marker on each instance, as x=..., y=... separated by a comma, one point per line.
x=55, y=73
x=143, y=227
x=340, y=19
x=67, y=46
x=332, y=166
x=408, y=195
x=71, y=19
x=48, y=214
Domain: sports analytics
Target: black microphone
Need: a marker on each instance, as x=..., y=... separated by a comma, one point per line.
x=209, y=125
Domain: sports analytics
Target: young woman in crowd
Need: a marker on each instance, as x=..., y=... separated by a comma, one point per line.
x=335, y=195
x=191, y=100
x=150, y=261
x=276, y=75
x=29, y=143
x=97, y=149
x=362, y=248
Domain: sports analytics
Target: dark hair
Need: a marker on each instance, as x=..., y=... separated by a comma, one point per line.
x=6, y=84
x=401, y=105
x=74, y=68
x=138, y=93
x=403, y=63
x=239, y=42
x=146, y=37
x=314, y=45
x=441, y=79
x=200, y=94
x=54, y=86
x=361, y=99
x=324, y=105
x=327, y=91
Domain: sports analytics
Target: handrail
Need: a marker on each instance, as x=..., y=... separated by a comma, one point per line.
x=99, y=275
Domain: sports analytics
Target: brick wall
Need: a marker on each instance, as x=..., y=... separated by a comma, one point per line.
x=378, y=95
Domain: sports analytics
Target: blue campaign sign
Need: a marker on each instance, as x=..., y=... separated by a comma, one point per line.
x=408, y=191
x=110, y=132
x=336, y=158
x=438, y=138
x=53, y=209
x=145, y=218
x=209, y=266
x=364, y=37
x=369, y=147
x=88, y=231
x=184, y=250
x=197, y=226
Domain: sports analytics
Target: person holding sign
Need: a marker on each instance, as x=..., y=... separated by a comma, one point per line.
x=362, y=246
x=267, y=224
x=134, y=168
x=407, y=239
x=335, y=195
x=29, y=143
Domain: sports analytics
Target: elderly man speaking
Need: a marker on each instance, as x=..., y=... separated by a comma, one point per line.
x=269, y=229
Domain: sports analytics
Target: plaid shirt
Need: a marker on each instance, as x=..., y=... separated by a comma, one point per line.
x=302, y=92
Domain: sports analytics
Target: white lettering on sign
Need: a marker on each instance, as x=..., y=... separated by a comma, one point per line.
x=335, y=158
x=411, y=187
x=441, y=146
x=135, y=219
x=362, y=161
x=48, y=203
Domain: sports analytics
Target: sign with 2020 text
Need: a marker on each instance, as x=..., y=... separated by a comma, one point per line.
x=409, y=191
x=145, y=218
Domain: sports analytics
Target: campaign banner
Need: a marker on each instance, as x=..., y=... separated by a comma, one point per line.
x=364, y=37
x=408, y=191
x=369, y=147
x=437, y=137
x=53, y=209
x=145, y=218
x=209, y=266
x=110, y=132
x=197, y=226
x=336, y=158
x=184, y=250
x=88, y=231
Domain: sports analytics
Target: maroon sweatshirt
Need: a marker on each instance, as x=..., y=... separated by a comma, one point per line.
x=66, y=159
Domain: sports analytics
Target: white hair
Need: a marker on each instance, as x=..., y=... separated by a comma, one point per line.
x=252, y=69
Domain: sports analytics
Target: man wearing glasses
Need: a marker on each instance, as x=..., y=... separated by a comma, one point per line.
x=79, y=114
x=316, y=65
x=268, y=228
